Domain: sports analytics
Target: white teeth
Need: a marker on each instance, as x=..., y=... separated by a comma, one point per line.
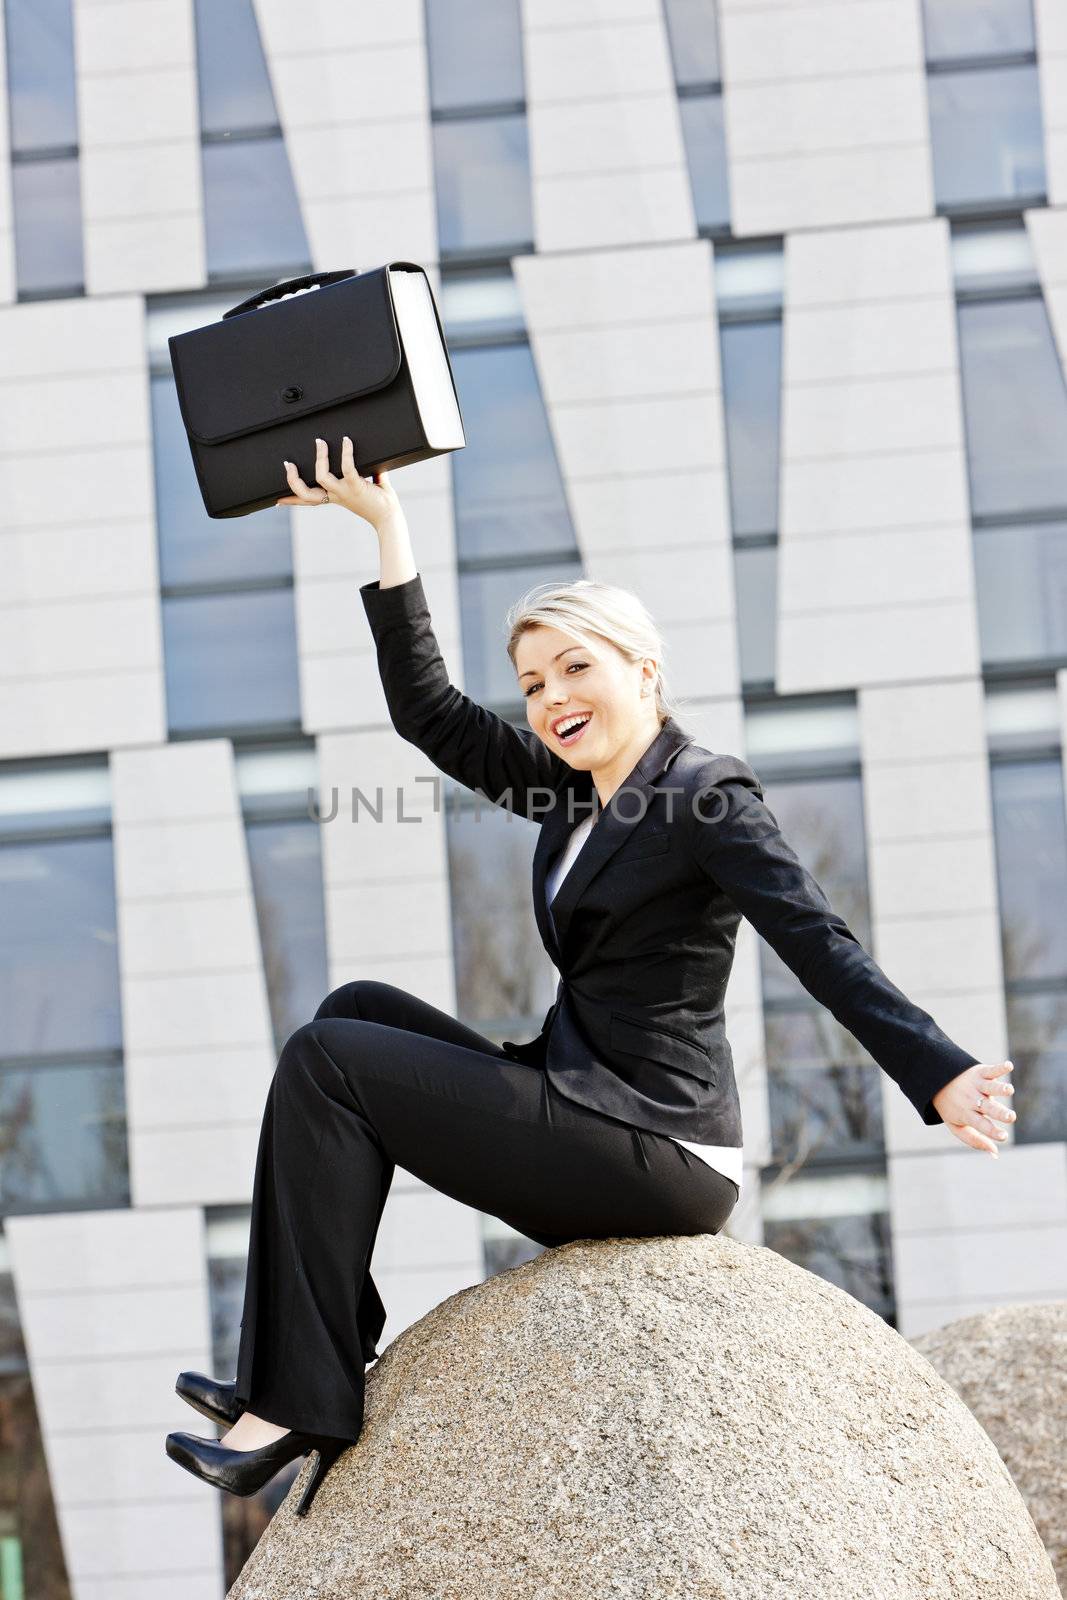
x=571, y=722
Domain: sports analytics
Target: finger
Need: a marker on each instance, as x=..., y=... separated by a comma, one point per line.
x=302, y=494
x=323, y=474
x=348, y=461
x=971, y=1136
x=994, y=1072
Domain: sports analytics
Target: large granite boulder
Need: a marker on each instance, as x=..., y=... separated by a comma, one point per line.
x=1009, y=1366
x=684, y=1417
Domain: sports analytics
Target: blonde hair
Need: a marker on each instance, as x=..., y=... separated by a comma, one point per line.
x=586, y=609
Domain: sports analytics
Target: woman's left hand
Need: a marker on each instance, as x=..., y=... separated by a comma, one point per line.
x=969, y=1107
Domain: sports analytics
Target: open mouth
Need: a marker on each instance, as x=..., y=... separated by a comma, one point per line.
x=572, y=734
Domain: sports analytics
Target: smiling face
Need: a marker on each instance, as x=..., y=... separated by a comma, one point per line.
x=561, y=680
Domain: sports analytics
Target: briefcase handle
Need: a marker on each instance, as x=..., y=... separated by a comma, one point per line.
x=265, y=296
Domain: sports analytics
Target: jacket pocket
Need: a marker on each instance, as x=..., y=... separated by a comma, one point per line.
x=660, y=1044
x=646, y=844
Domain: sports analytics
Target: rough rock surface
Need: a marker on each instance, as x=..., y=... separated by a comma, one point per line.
x=1009, y=1366
x=686, y=1417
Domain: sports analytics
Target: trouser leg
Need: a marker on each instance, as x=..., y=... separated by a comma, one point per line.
x=355, y=1095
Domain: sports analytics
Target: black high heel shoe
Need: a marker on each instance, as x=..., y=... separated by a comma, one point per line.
x=246, y=1471
x=210, y=1397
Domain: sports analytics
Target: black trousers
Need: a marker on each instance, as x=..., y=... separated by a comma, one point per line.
x=378, y=1079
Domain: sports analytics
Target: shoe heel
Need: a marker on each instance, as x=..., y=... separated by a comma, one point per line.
x=325, y=1456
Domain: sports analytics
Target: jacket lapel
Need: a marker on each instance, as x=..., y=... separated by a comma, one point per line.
x=613, y=825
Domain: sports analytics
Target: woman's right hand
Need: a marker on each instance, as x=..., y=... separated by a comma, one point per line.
x=373, y=498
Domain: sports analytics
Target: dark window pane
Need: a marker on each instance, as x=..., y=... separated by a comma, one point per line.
x=1015, y=405
x=825, y=1095
x=693, y=30
x=474, y=50
x=231, y=661
x=235, y=89
x=48, y=225
x=822, y=819
x=504, y=978
x=40, y=73
x=484, y=598
x=31, y=1553
x=1031, y=843
x=705, y=148
x=507, y=484
x=64, y=1137
x=251, y=213
x=286, y=864
x=1021, y=574
x=193, y=547
x=482, y=172
x=756, y=584
x=852, y=1252
x=956, y=29
x=1037, y=1041
x=986, y=133
x=751, y=383
x=59, y=975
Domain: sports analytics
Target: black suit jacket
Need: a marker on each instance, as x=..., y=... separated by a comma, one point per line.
x=642, y=929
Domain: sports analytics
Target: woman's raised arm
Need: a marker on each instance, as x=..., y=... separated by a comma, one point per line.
x=508, y=765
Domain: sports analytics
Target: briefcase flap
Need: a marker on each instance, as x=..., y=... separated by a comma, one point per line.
x=287, y=359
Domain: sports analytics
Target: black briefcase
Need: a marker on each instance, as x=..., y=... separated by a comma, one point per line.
x=363, y=354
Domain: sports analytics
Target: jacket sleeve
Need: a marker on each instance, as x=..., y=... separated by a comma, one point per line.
x=739, y=845
x=508, y=765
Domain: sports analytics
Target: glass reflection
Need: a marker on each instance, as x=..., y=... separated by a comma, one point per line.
x=956, y=29
x=1031, y=848
x=852, y=1252
x=474, y=52
x=751, y=382
x=985, y=128
x=42, y=103
x=508, y=489
x=193, y=547
x=59, y=974
x=824, y=1092
x=48, y=226
x=504, y=978
x=285, y=859
x=1015, y=407
x=252, y=219
x=482, y=175
x=705, y=147
x=693, y=31
x=1037, y=1039
x=235, y=87
x=62, y=1137
x=756, y=587
x=1021, y=579
x=231, y=661
x=31, y=1554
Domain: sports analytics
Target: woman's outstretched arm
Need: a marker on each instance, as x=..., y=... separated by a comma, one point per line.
x=736, y=839
x=510, y=766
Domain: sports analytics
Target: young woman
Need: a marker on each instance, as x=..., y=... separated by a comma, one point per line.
x=621, y=1119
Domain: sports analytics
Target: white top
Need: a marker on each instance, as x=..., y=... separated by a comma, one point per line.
x=723, y=1157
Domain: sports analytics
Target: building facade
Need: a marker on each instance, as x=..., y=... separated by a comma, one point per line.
x=813, y=255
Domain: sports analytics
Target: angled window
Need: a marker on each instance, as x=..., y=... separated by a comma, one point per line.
x=985, y=105
x=693, y=34
x=480, y=147
x=252, y=218
x=42, y=104
x=62, y=1103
